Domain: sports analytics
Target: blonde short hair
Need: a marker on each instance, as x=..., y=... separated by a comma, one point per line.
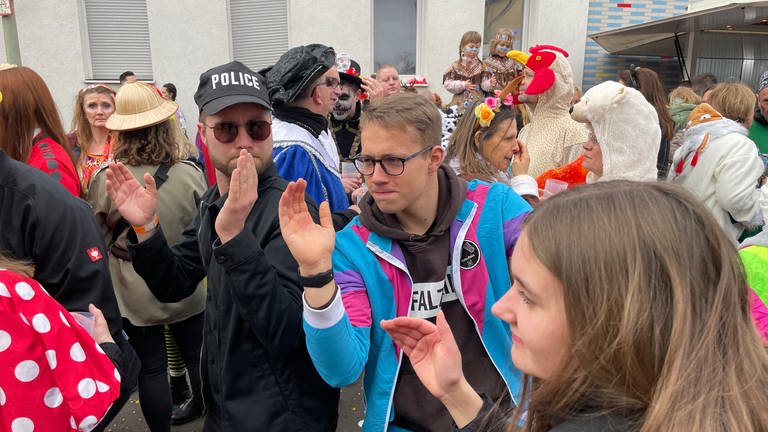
x=403, y=110
x=684, y=95
x=733, y=100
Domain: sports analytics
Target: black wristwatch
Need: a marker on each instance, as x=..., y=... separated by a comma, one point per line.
x=318, y=280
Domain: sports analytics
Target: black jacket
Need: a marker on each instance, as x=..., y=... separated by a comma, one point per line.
x=41, y=222
x=257, y=371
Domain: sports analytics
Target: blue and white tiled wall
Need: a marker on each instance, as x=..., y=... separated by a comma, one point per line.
x=600, y=66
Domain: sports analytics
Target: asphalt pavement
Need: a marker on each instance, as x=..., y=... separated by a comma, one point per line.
x=351, y=411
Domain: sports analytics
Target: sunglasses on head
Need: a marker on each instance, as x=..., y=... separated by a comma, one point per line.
x=226, y=131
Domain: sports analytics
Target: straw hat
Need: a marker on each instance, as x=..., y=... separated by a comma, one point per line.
x=138, y=105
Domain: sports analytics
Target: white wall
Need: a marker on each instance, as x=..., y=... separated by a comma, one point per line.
x=443, y=23
x=344, y=25
x=185, y=42
x=189, y=39
x=347, y=26
x=560, y=23
x=51, y=48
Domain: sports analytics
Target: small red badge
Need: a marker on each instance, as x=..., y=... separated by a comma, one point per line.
x=94, y=254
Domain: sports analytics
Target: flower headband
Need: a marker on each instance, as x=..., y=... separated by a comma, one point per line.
x=486, y=111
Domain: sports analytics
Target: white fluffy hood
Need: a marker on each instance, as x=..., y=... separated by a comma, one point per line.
x=626, y=127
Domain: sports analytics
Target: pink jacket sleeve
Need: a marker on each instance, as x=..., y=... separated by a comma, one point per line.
x=759, y=315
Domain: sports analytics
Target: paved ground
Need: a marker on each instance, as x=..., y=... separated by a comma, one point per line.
x=351, y=411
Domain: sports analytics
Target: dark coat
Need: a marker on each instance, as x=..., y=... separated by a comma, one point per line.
x=257, y=373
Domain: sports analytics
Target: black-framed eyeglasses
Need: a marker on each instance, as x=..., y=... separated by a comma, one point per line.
x=392, y=165
x=331, y=82
x=227, y=131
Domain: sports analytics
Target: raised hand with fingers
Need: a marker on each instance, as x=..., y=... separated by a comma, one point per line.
x=135, y=203
x=372, y=87
x=310, y=244
x=436, y=359
x=243, y=193
x=432, y=350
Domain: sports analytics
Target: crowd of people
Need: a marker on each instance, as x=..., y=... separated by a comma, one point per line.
x=326, y=225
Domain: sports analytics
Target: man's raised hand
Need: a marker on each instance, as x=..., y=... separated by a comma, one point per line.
x=135, y=203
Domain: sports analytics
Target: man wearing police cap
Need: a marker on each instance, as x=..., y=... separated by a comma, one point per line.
x=256, y=370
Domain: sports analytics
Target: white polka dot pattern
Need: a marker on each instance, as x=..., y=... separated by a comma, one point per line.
x=101, y=386
x=63, y=319
x=88, y=424
x=24, y=290
x=22, y=424
x=77, y=353
x=5, y=340
x=50, y=355
x=87, y=388
x=55, y=377
x=41, y=324
x=53, y=398
x=26, y=371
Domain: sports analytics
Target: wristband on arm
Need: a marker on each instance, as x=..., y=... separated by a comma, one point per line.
x=318, y=280
x=143, y=229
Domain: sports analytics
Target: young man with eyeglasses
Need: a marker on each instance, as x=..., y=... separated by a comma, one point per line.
x=256, y=370
x=426, y=242
x=304, y=87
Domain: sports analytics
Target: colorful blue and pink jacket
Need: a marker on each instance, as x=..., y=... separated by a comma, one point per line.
x=374, y=284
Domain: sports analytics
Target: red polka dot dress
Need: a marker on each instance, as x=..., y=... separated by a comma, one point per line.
x=53, y=375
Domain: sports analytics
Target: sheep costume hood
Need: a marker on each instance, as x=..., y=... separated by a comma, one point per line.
x=627, y=128
x=553, y=138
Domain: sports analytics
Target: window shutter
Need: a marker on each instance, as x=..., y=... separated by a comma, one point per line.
x=259, y=31
x=118, y=36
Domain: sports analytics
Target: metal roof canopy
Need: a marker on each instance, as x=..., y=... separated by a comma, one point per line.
x=657, y=38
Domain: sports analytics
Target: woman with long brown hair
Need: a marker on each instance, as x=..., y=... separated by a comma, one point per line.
x=90, y=138
x=632, y=317
x=30, y=126
x=647, y=81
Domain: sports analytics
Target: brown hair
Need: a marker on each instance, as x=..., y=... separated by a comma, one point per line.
x=495, y=41
x=649, y=84
x=469, y=37
x=153, y=145
x=734, y=101
x=27, y=104
x=684, y=95
x=80, y=126
x=25, y=268
x=405, y=110
x=674, y=347
x=463, y=149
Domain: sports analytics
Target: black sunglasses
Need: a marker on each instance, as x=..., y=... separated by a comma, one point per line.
x=226, y=131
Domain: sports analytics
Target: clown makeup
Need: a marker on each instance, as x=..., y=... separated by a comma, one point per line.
x=344, y=107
